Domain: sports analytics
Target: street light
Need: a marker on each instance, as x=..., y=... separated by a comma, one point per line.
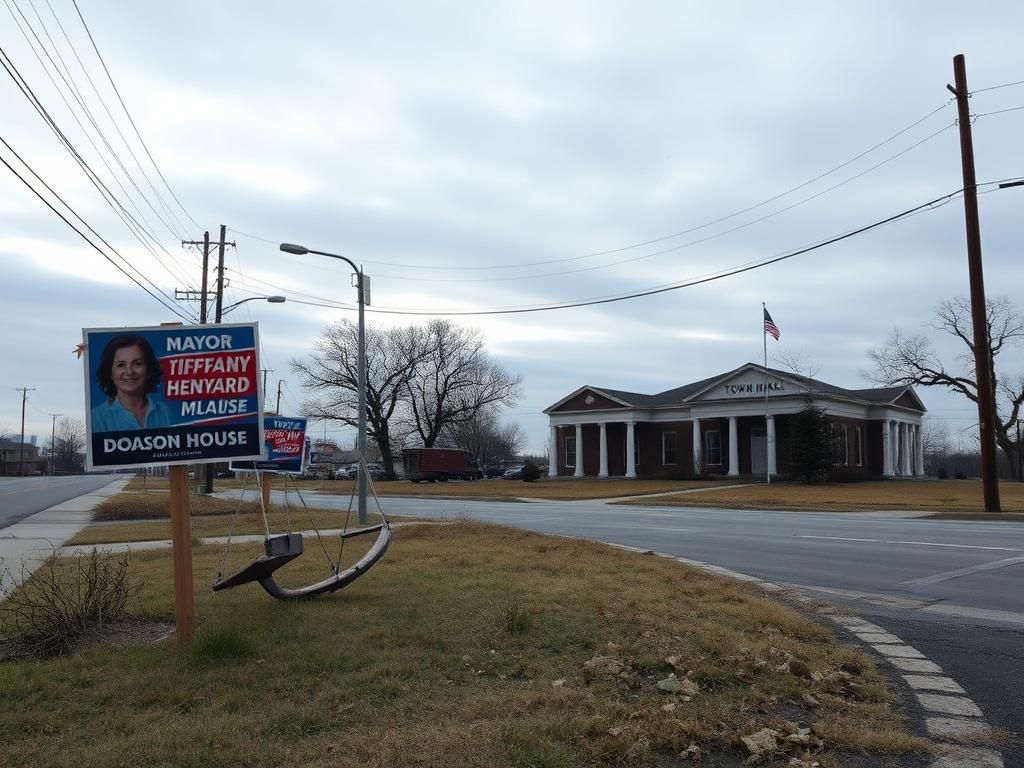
x=301, y=250
x=271, y=299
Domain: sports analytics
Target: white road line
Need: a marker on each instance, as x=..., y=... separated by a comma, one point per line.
x=915, y=543
x=992, y=566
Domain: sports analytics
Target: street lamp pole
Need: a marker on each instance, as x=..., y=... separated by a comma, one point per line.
x=360, y=364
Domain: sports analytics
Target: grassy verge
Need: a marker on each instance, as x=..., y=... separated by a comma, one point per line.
x=559, y=489
x=468, y=645
x=146, y=517
x=947, y=496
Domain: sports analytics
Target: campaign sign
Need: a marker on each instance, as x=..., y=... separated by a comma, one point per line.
x=185, y=394
x=287, y=449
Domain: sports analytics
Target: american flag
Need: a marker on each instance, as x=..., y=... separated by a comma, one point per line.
x=770, y=326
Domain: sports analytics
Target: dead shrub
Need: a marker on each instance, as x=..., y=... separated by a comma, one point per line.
x=66, y=602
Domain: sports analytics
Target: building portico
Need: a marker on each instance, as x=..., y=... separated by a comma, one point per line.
x=730, y=425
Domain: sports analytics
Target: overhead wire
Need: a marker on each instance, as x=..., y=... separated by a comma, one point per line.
x=128, y=114
x=996, y=87
x=719, y=275
x=158, y=296
x=85, y=71
x=689, y=244
x=998, y=112
x=130, y=222
x=662, y=238
x=77, y=216
x=76, y=94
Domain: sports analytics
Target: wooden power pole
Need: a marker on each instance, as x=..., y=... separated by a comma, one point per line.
x=982, y=343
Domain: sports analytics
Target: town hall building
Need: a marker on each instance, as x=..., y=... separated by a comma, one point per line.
x=730, y=425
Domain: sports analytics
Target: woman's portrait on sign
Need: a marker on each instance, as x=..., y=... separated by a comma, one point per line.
x=129, y=375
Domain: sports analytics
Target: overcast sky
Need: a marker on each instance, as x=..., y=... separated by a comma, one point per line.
x=475, y=156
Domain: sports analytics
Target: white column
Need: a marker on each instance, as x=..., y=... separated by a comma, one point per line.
x=886, y=449
x=771, y=446
x=734, y=449
x=895, y=447
x=907, y=450
x=630, y=450
x=920, y=451
x=579, y=451
x=553, y=452
x=697, y=448
x=603, y=440
x=897, y=443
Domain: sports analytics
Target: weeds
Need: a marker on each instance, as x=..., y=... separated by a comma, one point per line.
x=514, y=617
x=67, y=601
x=223, y=643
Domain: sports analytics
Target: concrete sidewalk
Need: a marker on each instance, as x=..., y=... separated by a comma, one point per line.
x=25, y=545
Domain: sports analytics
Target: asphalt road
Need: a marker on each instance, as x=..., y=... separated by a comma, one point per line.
x=24, y=496
x=950, y=588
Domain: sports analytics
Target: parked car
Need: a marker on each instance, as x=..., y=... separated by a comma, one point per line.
x=493, y=470
x=514, y=473
x=376, y=471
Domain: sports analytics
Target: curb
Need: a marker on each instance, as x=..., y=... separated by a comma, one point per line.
x=951, y=715
x=28, y=543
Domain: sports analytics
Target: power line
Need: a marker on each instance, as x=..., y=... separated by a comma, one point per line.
x=69, y=83
x=997, y=87
x=129, y=115
x=690, y=230
x=77, y=216
x=936, y=203
x=691, y=243
x=998, y=112
x=108, y=197
x=173, y=308
x=163, y=203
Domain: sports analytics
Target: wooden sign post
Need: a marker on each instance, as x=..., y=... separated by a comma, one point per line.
x=181, y=538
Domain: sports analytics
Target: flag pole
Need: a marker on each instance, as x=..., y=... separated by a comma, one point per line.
x=764, y=340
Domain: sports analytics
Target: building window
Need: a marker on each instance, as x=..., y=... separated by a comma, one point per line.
x=668, y=448
x=713, y=448
x=570, y=452
x=858, y=446
x=840, y=448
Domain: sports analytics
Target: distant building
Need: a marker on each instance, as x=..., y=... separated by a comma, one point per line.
x=727, y=426
x=11, y=452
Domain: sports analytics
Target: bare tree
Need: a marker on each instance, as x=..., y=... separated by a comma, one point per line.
x=935, y=444
x=68, y=449
x=913, y=360
x=454, y=379
x=485, y=437
x=331, y=375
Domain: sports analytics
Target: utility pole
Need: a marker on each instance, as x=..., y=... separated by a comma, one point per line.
x=265, y=372
x=982, y=343
x=277, y=408
x=203, y=295
x=208, y=479
x=21, y=447
x=220, y=271
x=53, y=443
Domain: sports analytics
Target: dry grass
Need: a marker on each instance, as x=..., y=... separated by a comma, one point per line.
x=558, y=489
x=146, y=517
x=962, y=496
x=465, y=646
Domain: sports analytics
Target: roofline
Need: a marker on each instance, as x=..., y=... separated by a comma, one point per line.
x=584, y=388
x=734, y=371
